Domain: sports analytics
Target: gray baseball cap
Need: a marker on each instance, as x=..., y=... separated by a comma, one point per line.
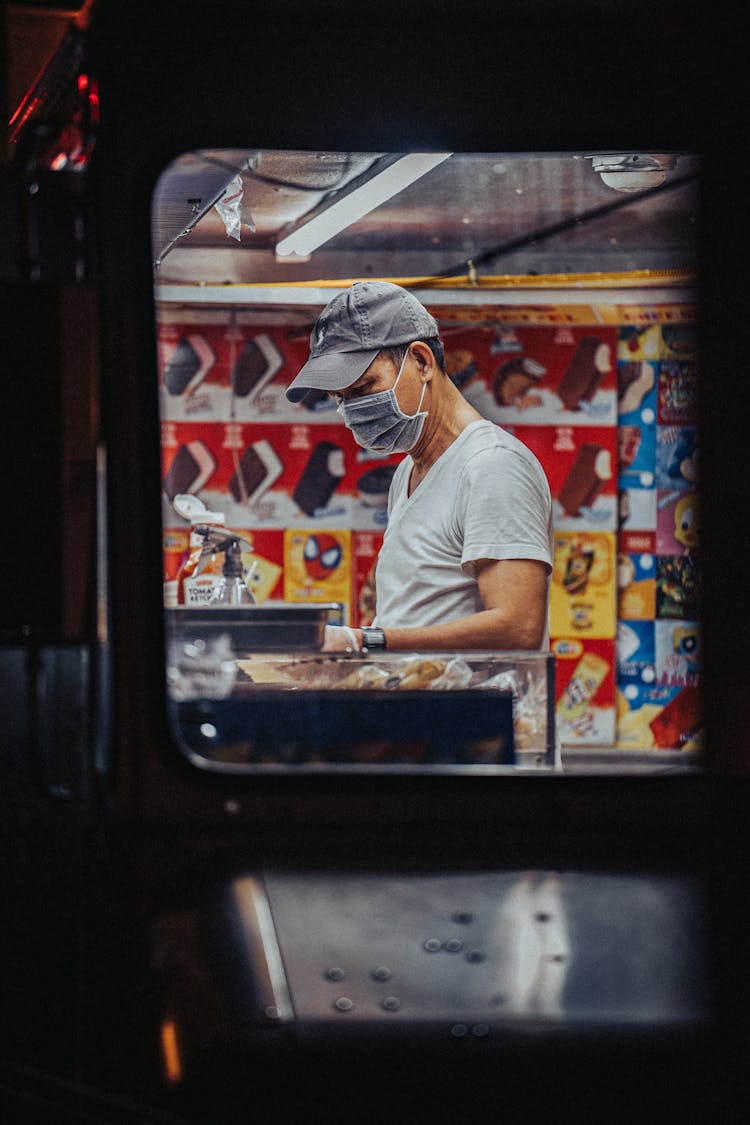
x=353, y=328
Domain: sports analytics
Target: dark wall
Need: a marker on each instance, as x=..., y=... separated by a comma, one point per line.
x=31, y=440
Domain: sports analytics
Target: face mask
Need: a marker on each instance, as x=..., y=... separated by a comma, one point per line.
x=378, y=422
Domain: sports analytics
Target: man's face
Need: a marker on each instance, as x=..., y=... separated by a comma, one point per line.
x=379, y=376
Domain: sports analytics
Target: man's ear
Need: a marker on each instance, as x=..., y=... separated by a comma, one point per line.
x=424, y=357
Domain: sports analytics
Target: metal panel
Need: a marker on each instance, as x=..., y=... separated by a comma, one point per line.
x=475, y=951
x=484, y=948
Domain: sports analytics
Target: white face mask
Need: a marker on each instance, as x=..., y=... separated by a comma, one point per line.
x=378, y=422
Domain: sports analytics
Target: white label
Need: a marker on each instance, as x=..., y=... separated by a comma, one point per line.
x=198, y=591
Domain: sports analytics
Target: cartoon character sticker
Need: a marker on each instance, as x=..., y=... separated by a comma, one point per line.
x=678, y=652
x=677, y=523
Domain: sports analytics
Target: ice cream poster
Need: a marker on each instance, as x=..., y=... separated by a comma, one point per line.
x=536, y=375
x=636, y=513
x=581, y=466
x=317, y=565
x=636, y=586
x=678, y=586
x=532, y=376
x=585, y=709
x=226, y=370
x=678, y=393
x=676, y=457
x=636, y=652
x=636, y=391
x=678, y=652
x=636, y=455
x=582, y=587
x=365, y=548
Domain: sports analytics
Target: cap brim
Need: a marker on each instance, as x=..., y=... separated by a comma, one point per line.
x=332, y=372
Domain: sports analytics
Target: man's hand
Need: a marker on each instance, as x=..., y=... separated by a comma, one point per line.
x=340, y=638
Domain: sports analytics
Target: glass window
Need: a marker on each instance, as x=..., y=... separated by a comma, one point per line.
x=564, y=288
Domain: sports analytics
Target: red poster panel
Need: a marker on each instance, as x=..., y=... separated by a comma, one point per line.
x=585, y=691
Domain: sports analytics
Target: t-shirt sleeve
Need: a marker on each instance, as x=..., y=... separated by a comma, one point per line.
x=503, y=509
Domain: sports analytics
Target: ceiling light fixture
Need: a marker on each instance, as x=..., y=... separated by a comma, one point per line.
x=363, y=199
x=633, y=172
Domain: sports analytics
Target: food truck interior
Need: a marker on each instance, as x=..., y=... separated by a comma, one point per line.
x=246, y=879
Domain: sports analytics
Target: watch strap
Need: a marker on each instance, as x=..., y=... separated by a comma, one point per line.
x=372, y=638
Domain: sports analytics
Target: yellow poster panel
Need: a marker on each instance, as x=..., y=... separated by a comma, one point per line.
x=317, y=565
x=583, y=589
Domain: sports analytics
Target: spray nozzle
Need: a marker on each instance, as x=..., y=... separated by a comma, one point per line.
x=216, y=541
x=234, y=588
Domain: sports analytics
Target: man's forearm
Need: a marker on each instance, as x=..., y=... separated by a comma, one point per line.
x=490, y=629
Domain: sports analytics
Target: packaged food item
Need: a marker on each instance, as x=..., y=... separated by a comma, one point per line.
x=200, y=574
x=582, y=687
x=366, y=676
x=419, y=673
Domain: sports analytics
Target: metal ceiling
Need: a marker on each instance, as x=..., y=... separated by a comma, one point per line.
x=506, y=214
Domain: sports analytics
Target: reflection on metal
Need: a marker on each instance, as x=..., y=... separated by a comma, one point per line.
x=538, y=947
x=531, y=213
x=305, y=296
x=269, y=981
x=477, y=950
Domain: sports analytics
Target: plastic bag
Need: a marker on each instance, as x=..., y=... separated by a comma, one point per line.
x=230, y=207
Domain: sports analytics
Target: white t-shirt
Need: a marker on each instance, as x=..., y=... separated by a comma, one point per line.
x=486, y=497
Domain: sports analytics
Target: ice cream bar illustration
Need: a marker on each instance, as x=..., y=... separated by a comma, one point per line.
x=372, y=486
x=460, y=366
x=590, y=363
x=634, y=381
x=256, y=364
x=589, y=473
x=514, y=377
x=321, y=475
x=188, y=365
x=258, y=469
x=629, y=442
x=582, y=687
x=190, y=469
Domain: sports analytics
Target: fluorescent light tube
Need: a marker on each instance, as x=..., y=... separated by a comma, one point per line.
x=341, y=214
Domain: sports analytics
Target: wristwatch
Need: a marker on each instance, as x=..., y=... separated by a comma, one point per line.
x=372, y=638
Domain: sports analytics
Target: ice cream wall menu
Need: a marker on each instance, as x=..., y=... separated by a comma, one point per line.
x=607, y=404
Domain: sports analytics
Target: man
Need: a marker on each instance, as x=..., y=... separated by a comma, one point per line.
x=467, y=551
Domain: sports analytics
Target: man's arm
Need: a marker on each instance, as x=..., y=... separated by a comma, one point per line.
x=514, y=597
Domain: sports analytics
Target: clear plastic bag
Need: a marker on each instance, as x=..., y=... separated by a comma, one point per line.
x=201, y=669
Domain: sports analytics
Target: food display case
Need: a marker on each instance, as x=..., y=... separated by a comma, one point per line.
x=250, y=690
